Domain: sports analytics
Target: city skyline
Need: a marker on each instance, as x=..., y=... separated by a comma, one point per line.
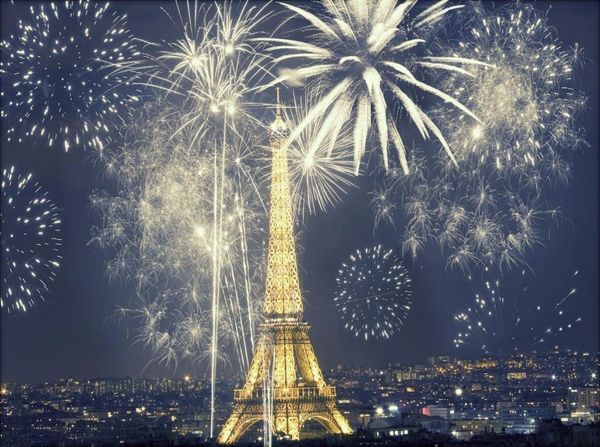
x=450, y=398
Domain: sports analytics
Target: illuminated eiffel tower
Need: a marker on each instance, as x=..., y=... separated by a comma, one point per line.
x=284, y=371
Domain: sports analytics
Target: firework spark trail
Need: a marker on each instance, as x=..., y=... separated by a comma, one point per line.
x=57, y=83
x=373, y=294
x=360, y=57
x=268, y=374
x=226, y=106
x=495, y=205
x=31, y=241
x=502, y=312
x=246, y=267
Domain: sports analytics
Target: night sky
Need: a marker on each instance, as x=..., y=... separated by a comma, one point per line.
x=73, y=333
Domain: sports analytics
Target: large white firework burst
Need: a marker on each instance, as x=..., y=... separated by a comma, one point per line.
x=363, y=61
x=56, y=79
x=374, y=293
x=495, y=206
x=31, y=241
x=320, y=178
x=502, y=316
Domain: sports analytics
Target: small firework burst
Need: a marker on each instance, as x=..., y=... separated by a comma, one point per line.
x=374, y=293
x=55, y=66
x=503, y=317
x=31, y=241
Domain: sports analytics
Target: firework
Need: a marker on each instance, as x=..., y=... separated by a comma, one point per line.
x=373, y=293
x=213, y=68
x=525, y=101
x=55, y=67
x=319, y=179
x=364, y=58
x=496, y=205
x=31, y=241
x=160, y=226
x=503, y=317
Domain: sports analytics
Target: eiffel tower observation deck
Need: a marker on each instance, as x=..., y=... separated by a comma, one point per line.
x=285, y=387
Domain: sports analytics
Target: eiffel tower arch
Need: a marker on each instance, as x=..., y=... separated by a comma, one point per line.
x=284, y=375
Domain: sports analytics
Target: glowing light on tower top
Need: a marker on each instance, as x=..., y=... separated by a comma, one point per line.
x=278, y=127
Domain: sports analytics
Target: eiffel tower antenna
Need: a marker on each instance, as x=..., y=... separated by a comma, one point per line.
x=284, y=355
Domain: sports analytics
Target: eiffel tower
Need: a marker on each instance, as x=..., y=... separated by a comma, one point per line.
x=284, y=367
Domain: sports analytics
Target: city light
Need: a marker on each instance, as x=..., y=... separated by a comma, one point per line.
x=127, y=403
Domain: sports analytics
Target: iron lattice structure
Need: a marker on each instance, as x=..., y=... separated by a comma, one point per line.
x=284, y=384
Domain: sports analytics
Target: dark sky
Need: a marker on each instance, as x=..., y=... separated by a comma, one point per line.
x=72, y=335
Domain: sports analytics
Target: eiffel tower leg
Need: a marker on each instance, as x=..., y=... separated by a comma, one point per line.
x=257, y=366
x=328, y=416
x=241, y=419
x=340, y=420
x=286, y=420
x=227, y=432
x=243, y=416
